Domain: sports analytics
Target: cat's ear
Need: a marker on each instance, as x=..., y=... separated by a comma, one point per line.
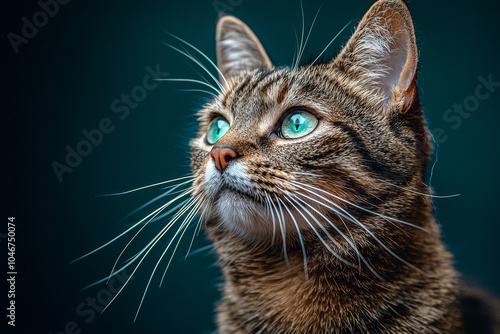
x=238, y=49
x=382, y=56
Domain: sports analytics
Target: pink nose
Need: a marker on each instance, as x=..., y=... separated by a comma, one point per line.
x=222, y=156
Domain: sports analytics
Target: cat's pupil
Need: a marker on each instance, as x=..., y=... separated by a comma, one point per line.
x=298, y=120
x=216, y=129
x=220, y=125
x=298, y=124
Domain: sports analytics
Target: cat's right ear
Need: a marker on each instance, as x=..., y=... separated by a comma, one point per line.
x=238, y=49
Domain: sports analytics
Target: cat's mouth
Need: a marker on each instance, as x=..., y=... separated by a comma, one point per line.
x=232, y=190
x=234, y=185
x=237, y=190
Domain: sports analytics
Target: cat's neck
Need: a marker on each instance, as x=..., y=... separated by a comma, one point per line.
x=264, y=292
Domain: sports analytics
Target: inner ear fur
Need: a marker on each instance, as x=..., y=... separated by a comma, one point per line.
x=238, y=49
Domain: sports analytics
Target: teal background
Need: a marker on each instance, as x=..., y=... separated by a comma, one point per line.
x=65, y=79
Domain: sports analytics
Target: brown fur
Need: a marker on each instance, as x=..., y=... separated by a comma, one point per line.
x=370, y=148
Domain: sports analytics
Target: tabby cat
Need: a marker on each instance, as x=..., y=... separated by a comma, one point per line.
x=311, y=186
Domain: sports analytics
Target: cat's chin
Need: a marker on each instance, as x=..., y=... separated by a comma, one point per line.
x=242, y=214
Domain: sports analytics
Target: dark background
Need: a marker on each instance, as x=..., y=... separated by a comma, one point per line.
x=65, y=78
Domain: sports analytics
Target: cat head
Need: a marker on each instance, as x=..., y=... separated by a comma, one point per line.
x=297, y=152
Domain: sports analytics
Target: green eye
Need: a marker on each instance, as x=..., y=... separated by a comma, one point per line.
x=298, y=124
x=216, y=129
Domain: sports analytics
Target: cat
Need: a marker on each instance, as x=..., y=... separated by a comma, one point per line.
x=310, y=183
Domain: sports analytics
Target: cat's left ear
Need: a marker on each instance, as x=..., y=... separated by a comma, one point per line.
x=382, y=56
x=238, y=49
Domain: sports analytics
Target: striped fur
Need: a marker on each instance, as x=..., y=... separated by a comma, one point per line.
x=284, y=215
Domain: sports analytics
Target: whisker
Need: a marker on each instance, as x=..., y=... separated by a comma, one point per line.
x=151, y=245
x=340, y=217
x=300, y=238
x=308, y=35
x=196, y=230
x=168, y=213
x=418, y=193
x=355, y=205
x=202, y=78
x=194, y=68
x=190, y=80
x=301, y=36
x=328, y=45
x=296, y=47
x=149, y=186
x=189, y=218
x=435, y=161
x=308, y=174
x=325, y=231
x=199, y=91
x=118, y=236
x=356, y=221
x=129, y=261
x=204, y=56
x=144, y=226
x=197, y=62
x=350, y=242
x=107, y=278
x=316, y=232
x=196, y=226
x=269, y=203
x=202, y=249
x=170, y=191
x=182, y=228
x=281, y=219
